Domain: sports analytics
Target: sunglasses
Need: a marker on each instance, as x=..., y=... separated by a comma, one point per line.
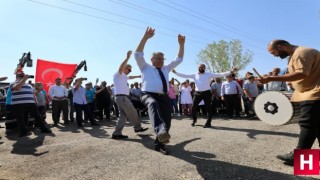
x=129, y=70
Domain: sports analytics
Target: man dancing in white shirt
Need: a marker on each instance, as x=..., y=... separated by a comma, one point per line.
x=126, y=109
x=202, y=81
x=155, y=88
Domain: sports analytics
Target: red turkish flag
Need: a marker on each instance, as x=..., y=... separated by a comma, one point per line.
x=47, y=72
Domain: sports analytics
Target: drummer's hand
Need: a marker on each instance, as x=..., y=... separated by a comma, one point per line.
x=222, y=98
x=251, y=99
x=264, y=79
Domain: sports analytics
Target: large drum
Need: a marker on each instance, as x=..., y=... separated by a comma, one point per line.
x=275, y=108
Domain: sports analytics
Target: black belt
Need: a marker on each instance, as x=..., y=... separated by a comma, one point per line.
x=154, y=94
x=121, y=95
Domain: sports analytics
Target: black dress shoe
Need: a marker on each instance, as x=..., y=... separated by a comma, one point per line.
x=119, y=136
x=45, y=130
x=141, y=130
x=287, y=158
x=24, y=133
x=95, y=124
x=193, y=123
x=207, y=126
x=162, y=150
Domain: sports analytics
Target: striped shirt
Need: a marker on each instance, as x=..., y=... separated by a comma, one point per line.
x=24, y=95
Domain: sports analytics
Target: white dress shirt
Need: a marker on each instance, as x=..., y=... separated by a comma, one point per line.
x=231, y=87
x=151, y=80
x=79, y=95
x=58, y=91
x=202, y=80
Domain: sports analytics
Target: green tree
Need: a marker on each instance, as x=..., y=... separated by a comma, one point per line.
x=222, y=56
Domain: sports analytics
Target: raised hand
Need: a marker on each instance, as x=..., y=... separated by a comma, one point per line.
x=181, y=39
x=264, y=79
x=3, y=78
x=149, y=33
x=129, y=54
x=234, y=70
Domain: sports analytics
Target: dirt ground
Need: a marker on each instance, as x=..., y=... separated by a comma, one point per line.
x=231, y=149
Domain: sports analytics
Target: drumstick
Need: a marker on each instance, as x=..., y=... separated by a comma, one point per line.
x=254, y=69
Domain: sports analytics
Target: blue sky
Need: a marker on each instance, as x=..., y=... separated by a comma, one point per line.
x=102, y=31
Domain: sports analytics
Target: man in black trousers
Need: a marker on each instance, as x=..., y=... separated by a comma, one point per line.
x=203, y=90
x=154, y=88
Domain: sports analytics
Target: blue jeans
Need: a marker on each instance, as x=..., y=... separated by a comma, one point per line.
x=174, y=106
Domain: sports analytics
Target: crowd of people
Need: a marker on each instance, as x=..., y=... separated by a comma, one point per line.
x=202, y=93
x=207, y=95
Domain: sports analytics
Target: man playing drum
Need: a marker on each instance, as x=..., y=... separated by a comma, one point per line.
x=304, y=69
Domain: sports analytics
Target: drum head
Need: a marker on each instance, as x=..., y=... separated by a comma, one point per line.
x=273, y=108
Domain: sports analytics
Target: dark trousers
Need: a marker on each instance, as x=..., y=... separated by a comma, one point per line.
x=85, y=108
x=174, y=106
x=197, y=98
x=42, y=111
x=232, y=103
x=71, y=110
x=248, y=106
x=159, y=110
x=309, y=122
x=139, y=106
x=217, y=106
x=57, y=106
x=91, y=108
x=104, y=108
x=22, y=111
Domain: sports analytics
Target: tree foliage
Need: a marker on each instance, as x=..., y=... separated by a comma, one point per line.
x=223, y=56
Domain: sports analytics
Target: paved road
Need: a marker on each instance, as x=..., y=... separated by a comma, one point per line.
x=231, y=149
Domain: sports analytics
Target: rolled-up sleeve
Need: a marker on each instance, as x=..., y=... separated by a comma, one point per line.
x=175, y=63
x=139, y=56
x=185, y=75
x=219, y=75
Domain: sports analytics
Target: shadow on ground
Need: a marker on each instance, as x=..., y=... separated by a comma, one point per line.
x=251, y=133
x=208, y=168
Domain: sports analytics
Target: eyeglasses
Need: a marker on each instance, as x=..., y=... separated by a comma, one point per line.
x=129, y=70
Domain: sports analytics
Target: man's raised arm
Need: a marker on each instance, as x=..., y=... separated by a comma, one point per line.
x=181, y=41
x=3, y=78
x=148, y=34
x=124, y=63
x=175, y=63
x=139, y=51
x=183, y=75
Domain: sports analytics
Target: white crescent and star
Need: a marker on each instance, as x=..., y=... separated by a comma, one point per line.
x=50, y=70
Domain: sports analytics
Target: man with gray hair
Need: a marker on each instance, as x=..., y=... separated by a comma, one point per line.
x=155, y=80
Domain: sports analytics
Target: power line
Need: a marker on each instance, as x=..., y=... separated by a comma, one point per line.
x=223, y=25
x=161, y=15
x=126, y=17
x=105, y=19
x=114, y=21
